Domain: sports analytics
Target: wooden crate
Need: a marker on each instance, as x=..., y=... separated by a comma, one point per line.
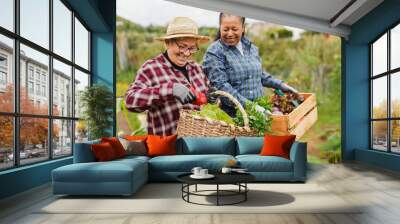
x=299, y=120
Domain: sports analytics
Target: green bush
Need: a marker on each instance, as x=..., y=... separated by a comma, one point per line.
x=97, y=102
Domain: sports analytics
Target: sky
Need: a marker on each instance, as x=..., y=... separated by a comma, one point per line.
x=160, y=12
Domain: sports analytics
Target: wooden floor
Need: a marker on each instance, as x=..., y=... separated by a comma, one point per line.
x=377, y=188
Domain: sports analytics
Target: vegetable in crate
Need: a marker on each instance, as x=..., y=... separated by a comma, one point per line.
x=213, y=111
x=283, y=103
x=257, y=120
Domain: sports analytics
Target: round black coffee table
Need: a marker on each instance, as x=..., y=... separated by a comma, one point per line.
x=238, y=179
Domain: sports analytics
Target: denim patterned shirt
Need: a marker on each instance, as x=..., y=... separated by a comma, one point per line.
x=240, y=75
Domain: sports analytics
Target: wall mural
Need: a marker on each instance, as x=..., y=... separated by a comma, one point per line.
x=228, y=76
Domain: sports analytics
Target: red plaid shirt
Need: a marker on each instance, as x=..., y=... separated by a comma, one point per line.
x=152, y=91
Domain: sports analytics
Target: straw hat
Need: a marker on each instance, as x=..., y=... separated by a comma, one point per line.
x=183, y=27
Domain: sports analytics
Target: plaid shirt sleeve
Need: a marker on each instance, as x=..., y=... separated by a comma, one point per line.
x=142, y=95
x=215, y=69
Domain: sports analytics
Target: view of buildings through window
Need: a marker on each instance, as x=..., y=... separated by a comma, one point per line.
x=385, y=82
x=47, y=91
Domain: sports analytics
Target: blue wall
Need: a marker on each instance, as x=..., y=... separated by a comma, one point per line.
x=355, y=84
x=100, y=17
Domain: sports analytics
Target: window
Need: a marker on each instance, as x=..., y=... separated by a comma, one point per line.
x=7, y=142
x=385, y=94
x=30, y=87
x=3, y=72
x=7, y=14
x=81, y=45
x=62, y=137
x=62, y=74
x=54, y=126
x=44, y=91
x=35, y=22
x=44, y=77
x=81, y=81
x=37, y=90
x=3, y=78
x=3, y=61
x=37, y=74
x=62, y=31
x=6, y=73
x=30, y=73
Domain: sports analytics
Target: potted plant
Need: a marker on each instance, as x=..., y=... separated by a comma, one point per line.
x=97, y=103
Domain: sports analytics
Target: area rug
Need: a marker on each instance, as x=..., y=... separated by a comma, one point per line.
x=167, y=198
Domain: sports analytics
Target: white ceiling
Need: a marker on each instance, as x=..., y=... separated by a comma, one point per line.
x=322, y=9
x=315, y=15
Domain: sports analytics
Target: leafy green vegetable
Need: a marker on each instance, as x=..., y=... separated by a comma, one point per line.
x=212, y=111
x=257, y=120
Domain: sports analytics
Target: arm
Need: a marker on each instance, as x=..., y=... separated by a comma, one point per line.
x=215, y=69
x=268, y=81
x=141, y=95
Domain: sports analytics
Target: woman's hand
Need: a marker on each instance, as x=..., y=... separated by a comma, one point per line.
x=182, y=93
x=211, y=96
x=263, y=110
x=286, y=88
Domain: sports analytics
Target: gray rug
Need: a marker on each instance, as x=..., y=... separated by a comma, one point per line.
x=166, y=198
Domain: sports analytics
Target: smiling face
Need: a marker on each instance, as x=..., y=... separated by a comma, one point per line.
x=231, y=29
x=180, y=50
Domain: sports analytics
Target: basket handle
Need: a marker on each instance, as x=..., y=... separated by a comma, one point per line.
x=237, y=104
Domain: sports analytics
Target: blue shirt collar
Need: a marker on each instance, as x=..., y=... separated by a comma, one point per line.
x=245, y=42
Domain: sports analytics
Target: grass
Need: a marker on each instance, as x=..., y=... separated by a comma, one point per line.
x=324, y=136
x=316, y=160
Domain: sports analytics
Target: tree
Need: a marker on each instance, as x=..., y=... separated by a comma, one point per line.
x=33, y=130
x=97, y=102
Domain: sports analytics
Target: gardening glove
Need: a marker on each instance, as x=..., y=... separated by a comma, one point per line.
x=211, y=97
x=182, y=93
x=286, y=88
x=263, y=110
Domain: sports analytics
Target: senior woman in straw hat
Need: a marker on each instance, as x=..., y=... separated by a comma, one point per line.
x=163, y=83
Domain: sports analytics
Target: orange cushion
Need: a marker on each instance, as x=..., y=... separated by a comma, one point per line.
x=277, y=145
x=161, y=145
x=116, y=145
x=103, y=151
x=135, y=137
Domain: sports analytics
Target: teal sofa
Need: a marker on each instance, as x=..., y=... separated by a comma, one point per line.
x=125, y=176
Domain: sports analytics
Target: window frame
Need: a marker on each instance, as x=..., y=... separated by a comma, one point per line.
x=16, y=114
x=388, y=74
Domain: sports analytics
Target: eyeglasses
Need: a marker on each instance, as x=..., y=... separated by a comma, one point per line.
x=184, y=49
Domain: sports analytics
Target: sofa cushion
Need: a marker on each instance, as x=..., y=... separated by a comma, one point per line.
x=103, y=152
x=116, y=145
x=249, y=145
x=257, y=163
x=135, y=137
x=185, y=163
x=112, y=171
x=134, y=147
x=275, y=145
x=161, y=145
x=206, y=145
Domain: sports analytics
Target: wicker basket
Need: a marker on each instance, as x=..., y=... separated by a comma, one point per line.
x=193, y=125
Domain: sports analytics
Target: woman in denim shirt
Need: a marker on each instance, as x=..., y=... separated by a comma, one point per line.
x=232, y=64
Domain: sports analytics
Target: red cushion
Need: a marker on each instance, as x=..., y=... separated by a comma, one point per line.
x=103, y=151
x=116, y=145
x=135, y=137
x=161, y=145
x=277, y=145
